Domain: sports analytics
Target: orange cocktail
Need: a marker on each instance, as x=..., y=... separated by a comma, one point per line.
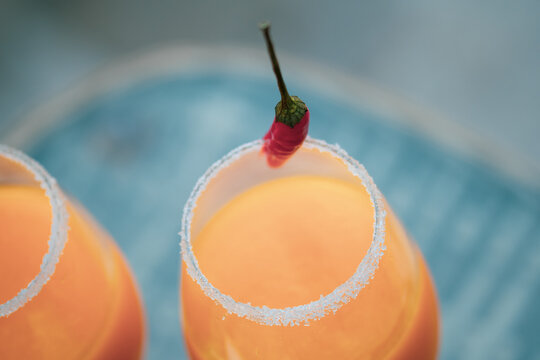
x=301, y=262
x=85, y=306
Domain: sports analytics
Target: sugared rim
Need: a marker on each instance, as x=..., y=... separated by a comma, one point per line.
x=57, y=237
x=300, y=314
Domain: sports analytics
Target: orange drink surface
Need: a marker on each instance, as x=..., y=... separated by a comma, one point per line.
x=289, y=241
x=89, y=309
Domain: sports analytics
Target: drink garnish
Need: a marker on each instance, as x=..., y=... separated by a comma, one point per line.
x=291, y=122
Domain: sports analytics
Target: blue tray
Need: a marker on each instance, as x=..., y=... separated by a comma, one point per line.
x=132, y=148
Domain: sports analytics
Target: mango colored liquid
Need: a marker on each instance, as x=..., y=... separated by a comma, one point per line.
x=90, y=308
x=289, y=241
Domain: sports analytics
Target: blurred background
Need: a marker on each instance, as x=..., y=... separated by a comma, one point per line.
x=476, y=62
x=441, y=101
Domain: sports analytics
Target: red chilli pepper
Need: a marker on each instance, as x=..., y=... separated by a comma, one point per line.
x=282, y=141
x=290, y=126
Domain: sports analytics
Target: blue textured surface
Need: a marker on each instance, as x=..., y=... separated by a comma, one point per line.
x=132, y=156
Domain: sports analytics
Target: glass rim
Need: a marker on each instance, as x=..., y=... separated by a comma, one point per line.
x=57, y=236
x=314, y=310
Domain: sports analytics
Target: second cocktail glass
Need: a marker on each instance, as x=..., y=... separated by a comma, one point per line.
x=66, y=291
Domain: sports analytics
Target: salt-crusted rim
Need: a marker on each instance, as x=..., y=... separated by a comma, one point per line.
x=57, y=237
x=301, y=314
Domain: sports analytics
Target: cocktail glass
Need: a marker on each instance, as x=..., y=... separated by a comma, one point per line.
x=317, y=298
x=66, y=291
